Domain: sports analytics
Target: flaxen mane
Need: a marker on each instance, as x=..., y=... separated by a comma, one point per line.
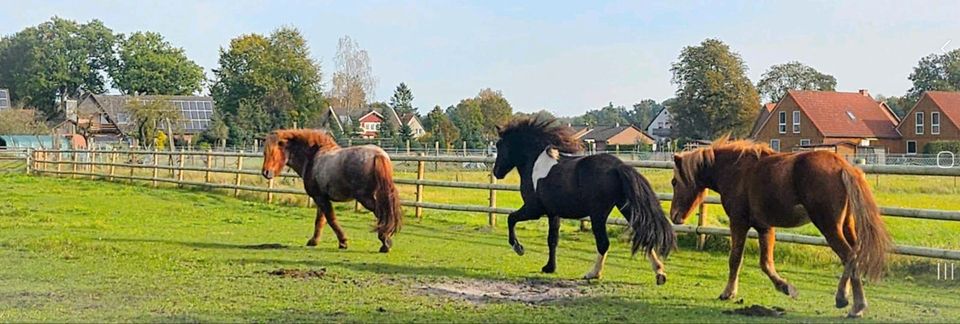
x=318, y=138
x=694, y=160
x=542, y=130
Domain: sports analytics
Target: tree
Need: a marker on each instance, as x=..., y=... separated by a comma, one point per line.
x=152, y=116
x=440, y=127
x=218, y=132
x=714, y=95
x=478, y=117
x=405, y=134
x=934, y=73
x=605, y=116
x=45, y=64
x=644, y=112
x=774, y=83
x=390, y=124
x=543, y=113
x=265, y=83
x=353, y=83
x=149, y=65
x=897, y=104
x=402, y=100
x=17, y=121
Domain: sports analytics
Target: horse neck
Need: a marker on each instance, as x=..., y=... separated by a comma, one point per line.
x=525, y=169
x=301, y=158
x=728, y=169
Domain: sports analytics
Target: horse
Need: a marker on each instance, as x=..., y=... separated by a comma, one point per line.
x=563, y=186
x=331, y=173
x=764, y=189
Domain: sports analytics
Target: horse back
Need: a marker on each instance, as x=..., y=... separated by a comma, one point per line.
x=344, y=173
x=785, y=189
x=575, y=184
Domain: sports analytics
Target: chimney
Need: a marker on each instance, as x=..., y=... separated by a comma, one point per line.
x=864, y=92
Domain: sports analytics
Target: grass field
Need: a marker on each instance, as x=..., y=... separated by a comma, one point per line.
x=81, y=250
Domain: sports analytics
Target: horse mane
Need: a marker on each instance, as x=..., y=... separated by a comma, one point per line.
x=319, y=138
x=693, y=161
x=542, y=130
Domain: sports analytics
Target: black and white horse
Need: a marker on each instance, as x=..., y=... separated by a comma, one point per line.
x=561, y=186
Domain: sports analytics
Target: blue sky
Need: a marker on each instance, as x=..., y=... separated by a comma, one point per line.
x=562, y=56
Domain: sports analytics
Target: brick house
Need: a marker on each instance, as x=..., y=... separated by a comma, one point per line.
x=606, y=138
x=844, y=122
x=936, y=116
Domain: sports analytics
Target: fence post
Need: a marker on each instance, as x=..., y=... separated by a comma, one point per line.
x=236, y=191
x=464, y=148
x=701, y=215
x=420, y=169
x=270, y=193
x=74, y=159
x=492, y=217
x=113, y=162
x=206, y=174
x=130, y=164
x=156, y=162
x=29, y=159
x=180, y=170
x=92, y=159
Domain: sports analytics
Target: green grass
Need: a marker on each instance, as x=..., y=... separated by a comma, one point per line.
x=88, y=251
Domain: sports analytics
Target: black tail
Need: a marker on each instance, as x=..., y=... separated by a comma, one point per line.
x=389, y=215
x=651, y=229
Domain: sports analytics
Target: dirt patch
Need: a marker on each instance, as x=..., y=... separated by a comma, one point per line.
x=298, y=273
x=757, y=311
x=265, y=246
x=529, y=291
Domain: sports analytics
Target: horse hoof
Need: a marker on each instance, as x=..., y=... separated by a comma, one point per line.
x=727, y=296
x=591, y=276
x=841, y=303
x=384, y=249
x=789, y=290
x=661, y=279
x=342, y=245
x=857, y=311
x=549, y=268
x=518, y=248
x=312, y=242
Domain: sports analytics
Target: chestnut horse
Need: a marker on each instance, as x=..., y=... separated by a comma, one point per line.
x=763, y=189
x=577, y=187
x=331, y=173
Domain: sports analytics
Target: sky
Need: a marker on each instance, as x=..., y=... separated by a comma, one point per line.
x=562, y=56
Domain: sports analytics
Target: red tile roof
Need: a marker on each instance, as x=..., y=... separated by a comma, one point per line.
x=949, y=103
x=769, y=106
x=846, y=114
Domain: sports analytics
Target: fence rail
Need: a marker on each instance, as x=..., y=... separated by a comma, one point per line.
x=53, y=162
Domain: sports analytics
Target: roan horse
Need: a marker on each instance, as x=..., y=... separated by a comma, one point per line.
x=576, y=187
x=331, y=173
x=764, y=189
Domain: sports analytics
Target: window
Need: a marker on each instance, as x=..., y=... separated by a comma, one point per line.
x=775, y=143
x=919, y=122
x=911, y=147
x=805, y=142
x=371, y=127
x=935, y=123
x=796, y=122
x=783, y=122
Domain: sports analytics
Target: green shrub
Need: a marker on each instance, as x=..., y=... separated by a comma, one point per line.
x=940, y=146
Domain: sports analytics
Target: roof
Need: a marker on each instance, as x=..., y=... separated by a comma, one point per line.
x=765, y=111
x=405, y=119
x=845, y=114
x=196, y=110
x=949, y=103
x=603, y=133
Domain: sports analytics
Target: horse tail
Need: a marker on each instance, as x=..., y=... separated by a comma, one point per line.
x=387, y=200
x=870, y=255
x=651, y=229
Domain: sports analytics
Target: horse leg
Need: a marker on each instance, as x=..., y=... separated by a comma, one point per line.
x=332, y=220
x=553, y=237
x=859, y=299
x=738, y=237
x=317, y=225
x=371, y=204
x=657, y=267
x=522, y=214
x=598, y=223
x=767, y=238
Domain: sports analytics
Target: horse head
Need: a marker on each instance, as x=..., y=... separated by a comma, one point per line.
x=293, y=148
x=275, y=154
x=688, y=187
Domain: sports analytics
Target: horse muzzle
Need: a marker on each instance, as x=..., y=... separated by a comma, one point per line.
x=268, y=174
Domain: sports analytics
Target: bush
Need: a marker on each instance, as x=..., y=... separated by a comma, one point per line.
x=940, y=146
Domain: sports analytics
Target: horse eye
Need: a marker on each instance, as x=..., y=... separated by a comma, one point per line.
x=673, y=182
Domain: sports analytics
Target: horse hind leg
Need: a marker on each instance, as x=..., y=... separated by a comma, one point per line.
x=598, y=225
x=859, y=299
x=657, y=267
x=385, y=241
x=767, y=238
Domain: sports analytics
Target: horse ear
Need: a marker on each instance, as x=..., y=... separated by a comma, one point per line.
x=677, y=159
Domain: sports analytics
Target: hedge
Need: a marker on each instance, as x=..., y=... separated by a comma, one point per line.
x=940, y=146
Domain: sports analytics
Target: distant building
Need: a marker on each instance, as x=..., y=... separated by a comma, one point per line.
x=5, y=99
x=108, y=118
x=606, y=138
x=411, y=120
x=845, y=122
x=762, y=116
x=935, y=117
x=370, y=121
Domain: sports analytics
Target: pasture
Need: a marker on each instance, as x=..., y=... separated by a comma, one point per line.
x=83, y=250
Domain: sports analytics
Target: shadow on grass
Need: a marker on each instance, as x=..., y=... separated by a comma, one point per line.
x=203, y=245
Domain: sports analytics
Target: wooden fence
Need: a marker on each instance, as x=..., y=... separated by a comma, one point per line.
x=82, y=163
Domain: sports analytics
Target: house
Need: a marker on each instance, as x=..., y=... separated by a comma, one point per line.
x=804, y=120
x=661, y=127
x=606, y=138
x=5, y=99
x=761, y=117
x=935, y=117
x=370, y=124
x=411, y=120
x=108, y=118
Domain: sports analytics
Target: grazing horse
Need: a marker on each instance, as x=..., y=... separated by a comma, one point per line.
x=331, y=173
x=763, y=189
x=576, y=187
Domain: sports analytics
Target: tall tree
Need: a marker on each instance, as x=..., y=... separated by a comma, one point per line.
x=608, y=115
x=714, y=95
x=151, y=117
x=149, y=65
x=440, y=127
x=478, y=117
x=267, y=82
x=59, y=59
x=774, y=83
x=353, y=83
x=402, y=100
x=644, y=112
x=934, y=73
